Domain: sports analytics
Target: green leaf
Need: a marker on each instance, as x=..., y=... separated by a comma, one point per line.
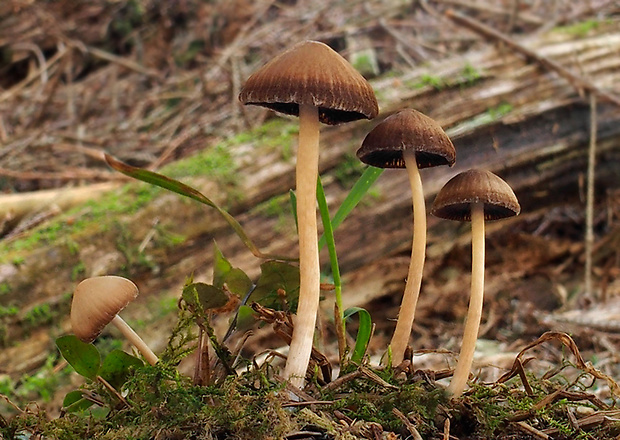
x=187, y=191
x=328, y=233
x=353, y=198
x=205, y=295
x=245, y=318
x=363, y=332
x=75, y=402
x=235, y=279
x=293, y=198
x=277, y=275
x=83, y=357
x=221, y=267
x=117, y=366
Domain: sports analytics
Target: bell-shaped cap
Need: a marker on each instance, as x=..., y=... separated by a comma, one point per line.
x=407, y=130
x=96, y=301
x=453, y=202
x=312, y=73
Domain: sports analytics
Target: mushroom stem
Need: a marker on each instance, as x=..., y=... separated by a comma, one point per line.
x=474, y=313
x=136, y=340
x=406, y=314
x=307, y=174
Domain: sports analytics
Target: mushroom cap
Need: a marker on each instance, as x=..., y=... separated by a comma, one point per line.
x=96, y=301
x=312, y=73
x=407, y=130
x=454, y=199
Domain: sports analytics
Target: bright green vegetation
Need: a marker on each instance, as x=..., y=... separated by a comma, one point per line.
x=500, y=111
x=467, y=77
x=579, y=29
x=215, y=163
x=470, y=74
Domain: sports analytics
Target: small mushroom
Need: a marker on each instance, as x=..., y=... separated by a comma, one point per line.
x=409, y=139
x=475, y=196
x=312, y=81
x=97, y=302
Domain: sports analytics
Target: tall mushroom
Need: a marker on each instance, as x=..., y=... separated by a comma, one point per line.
x=409, y=139
x=476, y=196
x=97, y=302
x=314, y=82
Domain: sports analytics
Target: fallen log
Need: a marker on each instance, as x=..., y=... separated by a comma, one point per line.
x=504, y=114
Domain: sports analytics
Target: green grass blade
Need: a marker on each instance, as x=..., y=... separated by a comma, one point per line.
x=363, y=333
x=293, y=198
x=328, y=233
x=353, y=198
x=187, y=191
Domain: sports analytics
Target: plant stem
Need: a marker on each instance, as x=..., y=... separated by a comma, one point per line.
x=136, y=340
x=307, y=174
x=589, y=238
x=406, y=314
x=474, y=313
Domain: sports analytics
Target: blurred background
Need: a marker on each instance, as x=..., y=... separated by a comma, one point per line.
x=155, y=84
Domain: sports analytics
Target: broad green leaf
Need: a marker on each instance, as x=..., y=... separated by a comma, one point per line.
x=221, y=267
x=353, y=198
x=207, y=295
x=364, y=332
x=187, y=191
x=83, y=357
x=74, y=402
x=235, y=279
x=277, y=275
x=238, y=282
x=117, y=367
x=245, y=318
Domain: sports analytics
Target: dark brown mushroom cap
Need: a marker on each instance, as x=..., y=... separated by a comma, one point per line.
x=96, y=301
x=453, y=202
x=407, y=130
x=312, y=73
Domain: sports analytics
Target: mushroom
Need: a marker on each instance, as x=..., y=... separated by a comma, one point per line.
x=97, y=302
x=314, y=82
x=476, y=196
x=412, y=140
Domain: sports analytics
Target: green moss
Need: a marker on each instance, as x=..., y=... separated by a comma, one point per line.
x=82, y=219
x=78, y=271
x=214, y=162
x=349, y=170
x=38, y=315
x=8, y=311
x=500, y=111
x=470, y=74
x=580, y=29
x=277, y=134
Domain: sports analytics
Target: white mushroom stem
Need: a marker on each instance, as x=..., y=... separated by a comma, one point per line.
x=474, y=313
x=136, y=340
x=406, y=314
x=307, y=175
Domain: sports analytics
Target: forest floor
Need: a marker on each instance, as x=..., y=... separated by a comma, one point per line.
x=155, y=84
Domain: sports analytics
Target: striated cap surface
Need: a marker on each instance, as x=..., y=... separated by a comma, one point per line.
x=454, y=199
x=96, y=301
x=312, y=73
x=407, y=130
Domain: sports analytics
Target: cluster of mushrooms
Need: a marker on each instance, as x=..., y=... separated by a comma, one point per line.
x=312, y=81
